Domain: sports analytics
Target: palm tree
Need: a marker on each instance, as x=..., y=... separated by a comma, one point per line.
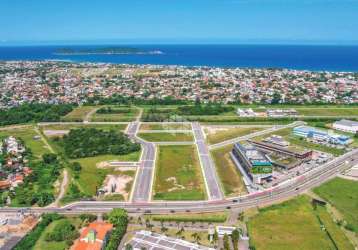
x=180, y=232
x=196, y=237
x=163, y=229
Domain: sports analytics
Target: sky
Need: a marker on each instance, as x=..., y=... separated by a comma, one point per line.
x=179, y=21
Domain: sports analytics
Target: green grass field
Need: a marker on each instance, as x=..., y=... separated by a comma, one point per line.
x=332, y=111
x=153, y=126
x=218, y=217
x=106, y=127
x=120, y=117
x=334, y=230
x=343, y=195
x=230, y=176
x=91, y=176
x=291, y=225
x=217, y=136
x=78, y=114
x=54, y=245
x=178, y=174
x=37, y=147
x=167, y=137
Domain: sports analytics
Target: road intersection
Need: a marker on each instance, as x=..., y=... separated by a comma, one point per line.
x=140, y=201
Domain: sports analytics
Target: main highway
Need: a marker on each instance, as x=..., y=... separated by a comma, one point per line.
x=283, y=191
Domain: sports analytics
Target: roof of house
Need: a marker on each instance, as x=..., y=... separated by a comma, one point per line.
x=4, y=184
x=98, y=230
x=346, y=123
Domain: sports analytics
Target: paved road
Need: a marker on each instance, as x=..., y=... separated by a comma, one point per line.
x=143, y=180
x=281, y=192
x=259, y=133
x=207, y=164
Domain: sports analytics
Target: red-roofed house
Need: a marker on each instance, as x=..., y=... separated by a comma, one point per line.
x=93, y=237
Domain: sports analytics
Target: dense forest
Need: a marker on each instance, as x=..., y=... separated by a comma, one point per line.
x=34, y=112
x=86, y=142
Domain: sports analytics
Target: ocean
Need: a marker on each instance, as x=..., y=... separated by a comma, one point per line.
x=302, y=57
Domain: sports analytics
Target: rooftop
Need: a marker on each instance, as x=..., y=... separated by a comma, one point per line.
x=154, y=241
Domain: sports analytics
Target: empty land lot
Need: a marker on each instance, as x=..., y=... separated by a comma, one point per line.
x=165, y=126
x=178, y=175
x=64, y=126
x=78, y=114
x=328, y=111
x=294, y=224
x=217, y=134
x=167, y=137
x=230, y=176
x=343, y=195
x=91, y=176
x=116, y=117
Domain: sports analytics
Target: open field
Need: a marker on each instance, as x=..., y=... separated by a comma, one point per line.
x=55, y=245
x=216, y=135
x=339, y=238
x=218, y=217
x=91, y=176
x=119, y=117
x=106, y=127
x=78, y=114
x=230, y=176
x=340, y=112
x=178, y=174
x=37, y=147
x=166, y=137
x=291, y=225
x=153, y=126
x=343, y=195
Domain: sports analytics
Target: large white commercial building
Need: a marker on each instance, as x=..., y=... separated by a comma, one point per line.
x=346, y=126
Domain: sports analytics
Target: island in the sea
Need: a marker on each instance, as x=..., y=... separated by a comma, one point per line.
x=107, y=51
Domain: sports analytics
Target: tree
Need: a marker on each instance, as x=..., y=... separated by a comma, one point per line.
x=49, y=158
x=44, y=198
x=215, y=237
x=276, y=98
x=76, y=166
x=129, y=247
x=240, y=216
x=118, y=217
x=196, y=237
x=163, y=229
x=62, y=231
x=235, y=236
x=226, y=242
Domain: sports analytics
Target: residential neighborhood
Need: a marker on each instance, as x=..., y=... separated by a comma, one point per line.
x=66, y=82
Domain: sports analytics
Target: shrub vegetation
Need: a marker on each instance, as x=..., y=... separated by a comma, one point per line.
x=88, y=142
